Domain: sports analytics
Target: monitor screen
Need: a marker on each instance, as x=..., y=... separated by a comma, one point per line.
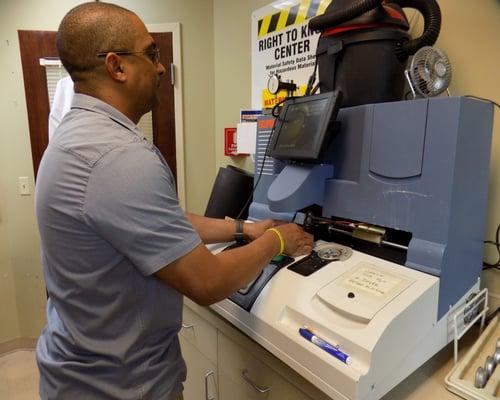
x=303, y=126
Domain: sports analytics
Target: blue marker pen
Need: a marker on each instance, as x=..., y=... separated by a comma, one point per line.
x=307, y=334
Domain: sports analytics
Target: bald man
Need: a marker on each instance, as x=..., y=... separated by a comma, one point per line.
x=118, y=252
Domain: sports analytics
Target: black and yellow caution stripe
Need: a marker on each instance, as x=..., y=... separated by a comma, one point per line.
x=294, y=15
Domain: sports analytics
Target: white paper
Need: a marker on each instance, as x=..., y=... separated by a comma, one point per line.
x=246, y=135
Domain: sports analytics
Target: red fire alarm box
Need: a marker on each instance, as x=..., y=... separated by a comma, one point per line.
x=230, y=147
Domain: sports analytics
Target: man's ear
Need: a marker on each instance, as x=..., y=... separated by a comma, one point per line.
x=115, y=67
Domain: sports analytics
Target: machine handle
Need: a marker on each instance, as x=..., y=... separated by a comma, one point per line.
x=187, y=326
x=258, y=388
x=208, y=375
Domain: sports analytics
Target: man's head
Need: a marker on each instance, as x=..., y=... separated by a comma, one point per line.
x=109, y=53
x=89, y=29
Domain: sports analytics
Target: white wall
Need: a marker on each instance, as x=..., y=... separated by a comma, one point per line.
x=22, y=293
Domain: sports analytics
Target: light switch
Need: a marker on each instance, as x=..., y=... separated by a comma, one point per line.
x=24, y=186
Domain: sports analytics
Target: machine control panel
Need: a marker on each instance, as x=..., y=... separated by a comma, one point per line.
x=323, y=254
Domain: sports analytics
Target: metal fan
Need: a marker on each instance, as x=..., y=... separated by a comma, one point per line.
x=429, y=73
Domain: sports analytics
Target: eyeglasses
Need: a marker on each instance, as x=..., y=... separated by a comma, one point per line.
x=153, y=54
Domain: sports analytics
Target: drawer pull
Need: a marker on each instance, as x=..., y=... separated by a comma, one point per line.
x=208, y=375
x=258, y=388
x=187, y=326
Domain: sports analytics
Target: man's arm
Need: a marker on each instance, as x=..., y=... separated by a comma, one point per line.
x=207, y=278
x=215, y=230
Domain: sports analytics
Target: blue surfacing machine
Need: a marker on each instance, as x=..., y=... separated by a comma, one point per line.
x=396, y=196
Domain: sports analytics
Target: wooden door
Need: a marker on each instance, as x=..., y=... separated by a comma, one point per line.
x=41, y=44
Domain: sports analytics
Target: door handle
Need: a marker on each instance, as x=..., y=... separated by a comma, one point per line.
x=208, y=375
x=258, y=388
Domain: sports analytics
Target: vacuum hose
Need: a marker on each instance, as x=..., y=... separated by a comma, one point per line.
x=428, y=8
x=432, y=25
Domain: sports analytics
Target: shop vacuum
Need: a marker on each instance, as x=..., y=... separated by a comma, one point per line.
x=364, y=47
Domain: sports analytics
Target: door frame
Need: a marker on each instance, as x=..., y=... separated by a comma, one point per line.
x=175, y=29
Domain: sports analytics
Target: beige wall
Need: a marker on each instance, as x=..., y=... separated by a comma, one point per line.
x=196, y=19
x=233, y=70
x=471, y=33
x=216, y=60
x=22, y=294
x=470, y=36
x=9, y=322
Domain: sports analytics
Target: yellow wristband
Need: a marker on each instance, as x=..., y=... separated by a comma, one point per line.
x=280, y=237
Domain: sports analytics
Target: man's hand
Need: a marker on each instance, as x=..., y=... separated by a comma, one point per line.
x=255, y=230
x=297, y=241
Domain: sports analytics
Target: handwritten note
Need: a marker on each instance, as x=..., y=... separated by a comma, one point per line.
x=372, y=281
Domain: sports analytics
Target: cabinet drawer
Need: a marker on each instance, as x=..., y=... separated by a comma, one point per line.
x=202, y=335
x=201, y=380
x=243, y=376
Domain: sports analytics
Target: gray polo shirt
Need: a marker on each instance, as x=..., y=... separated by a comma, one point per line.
x=109, y=218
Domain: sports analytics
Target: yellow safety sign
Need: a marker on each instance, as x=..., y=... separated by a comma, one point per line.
x=288, y=16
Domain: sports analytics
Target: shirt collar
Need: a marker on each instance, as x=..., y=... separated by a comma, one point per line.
x=93, y=104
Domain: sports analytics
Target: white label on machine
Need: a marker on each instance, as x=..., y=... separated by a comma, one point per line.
x=372, y=281
x=364, y=290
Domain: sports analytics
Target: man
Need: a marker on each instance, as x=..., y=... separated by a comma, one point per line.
x=117, y=250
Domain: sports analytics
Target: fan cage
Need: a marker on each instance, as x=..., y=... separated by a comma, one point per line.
x=429, y=72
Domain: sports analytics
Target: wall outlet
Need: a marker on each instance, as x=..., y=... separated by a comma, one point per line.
x=24, y=186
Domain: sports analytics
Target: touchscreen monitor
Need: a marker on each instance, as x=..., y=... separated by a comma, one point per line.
x=302, y=127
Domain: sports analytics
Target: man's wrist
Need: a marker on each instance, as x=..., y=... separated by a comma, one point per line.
x=280, y=238
x=239, y=235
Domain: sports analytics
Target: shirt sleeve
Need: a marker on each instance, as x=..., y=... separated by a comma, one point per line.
x=132, y=203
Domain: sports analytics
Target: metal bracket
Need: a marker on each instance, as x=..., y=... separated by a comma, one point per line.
x=467, y=315
x=370, y=233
